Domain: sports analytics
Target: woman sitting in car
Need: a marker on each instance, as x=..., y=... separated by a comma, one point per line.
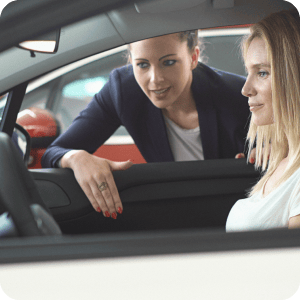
x=272, y=60
x=174, y=107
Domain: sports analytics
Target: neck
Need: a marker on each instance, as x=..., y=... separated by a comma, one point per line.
x=185, y=103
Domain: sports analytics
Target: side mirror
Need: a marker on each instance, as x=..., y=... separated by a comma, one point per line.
x=22, y=140
x=45, y=44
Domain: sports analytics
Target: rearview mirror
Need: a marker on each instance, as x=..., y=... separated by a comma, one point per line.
x=45, y=44
x=22, y=140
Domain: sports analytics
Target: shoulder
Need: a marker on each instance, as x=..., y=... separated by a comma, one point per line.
x=122, y=90
x=218, y=77
x=124, y=71
x=222, y=87
x=122, y=81
x=121, y=84
x=123, y=74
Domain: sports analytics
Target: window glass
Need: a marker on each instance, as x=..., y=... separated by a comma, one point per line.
x=37, y=97
x=222, y=49
x=68, y=94
x=77, y=88
x=3, y=100
x=223, y=53
x=67, y=91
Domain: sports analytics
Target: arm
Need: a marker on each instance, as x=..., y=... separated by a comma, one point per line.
x=294, y=222
x=74, y=149
x=93, y=126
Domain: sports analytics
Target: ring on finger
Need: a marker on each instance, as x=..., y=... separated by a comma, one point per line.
x=102, y=186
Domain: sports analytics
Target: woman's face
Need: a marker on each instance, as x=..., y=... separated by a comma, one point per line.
x=163, y=67
x=258, y=84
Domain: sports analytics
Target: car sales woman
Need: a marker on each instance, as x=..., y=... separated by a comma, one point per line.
x=174, y=107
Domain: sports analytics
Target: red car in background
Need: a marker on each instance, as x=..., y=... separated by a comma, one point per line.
x=46, y=114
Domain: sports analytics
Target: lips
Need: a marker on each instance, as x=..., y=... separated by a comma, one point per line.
x=160, y=91
x=255, y=106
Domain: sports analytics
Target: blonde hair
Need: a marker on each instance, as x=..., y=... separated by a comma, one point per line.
x=281, y=34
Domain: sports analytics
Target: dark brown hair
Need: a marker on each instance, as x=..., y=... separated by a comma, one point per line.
x=190, y=36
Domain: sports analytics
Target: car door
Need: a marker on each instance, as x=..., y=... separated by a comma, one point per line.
x=196, y=194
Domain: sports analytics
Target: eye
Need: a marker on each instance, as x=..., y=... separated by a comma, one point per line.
x=263, y=74
x=143, y=65
x=169, y=62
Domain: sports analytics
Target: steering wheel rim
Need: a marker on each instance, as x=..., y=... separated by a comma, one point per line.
x=18, y=189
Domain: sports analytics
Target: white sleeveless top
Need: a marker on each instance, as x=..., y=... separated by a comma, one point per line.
x=185, y=143
x=269, y=212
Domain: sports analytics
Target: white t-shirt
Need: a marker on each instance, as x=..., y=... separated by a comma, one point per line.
x=185, y=143
x=269, y=212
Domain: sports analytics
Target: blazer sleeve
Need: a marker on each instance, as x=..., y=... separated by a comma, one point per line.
x=92, y=127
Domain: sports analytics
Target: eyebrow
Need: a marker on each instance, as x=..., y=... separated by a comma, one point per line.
x=261, y=65
x=257, y=66
x=159, y=59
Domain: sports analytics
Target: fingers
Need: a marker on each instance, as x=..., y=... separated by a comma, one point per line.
x=117, y=166
x=116, y=204
x=95, y=197
x=97, y=182
x=106, y=194
x=103, y=197
x=252, y=156
x=240, y=155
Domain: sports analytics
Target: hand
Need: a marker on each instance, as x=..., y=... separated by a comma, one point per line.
x=94, y=173
x=252, y=156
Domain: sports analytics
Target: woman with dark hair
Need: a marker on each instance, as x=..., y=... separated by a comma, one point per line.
x=272, y=59
x=174, y=107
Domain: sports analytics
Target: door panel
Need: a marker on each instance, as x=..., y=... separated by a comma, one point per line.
x=197, y=194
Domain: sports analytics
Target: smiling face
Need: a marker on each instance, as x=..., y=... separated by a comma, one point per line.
x=258, y=84
x=163, y=67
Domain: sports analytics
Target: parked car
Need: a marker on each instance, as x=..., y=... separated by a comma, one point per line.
x=170, y=242
x=76, y=84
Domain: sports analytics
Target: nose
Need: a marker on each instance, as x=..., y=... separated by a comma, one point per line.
x=156, y=75
x=248, y=89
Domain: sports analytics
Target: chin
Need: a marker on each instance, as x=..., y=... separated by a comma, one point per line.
x=262, y=120
x=262, y=123
x=160, y=104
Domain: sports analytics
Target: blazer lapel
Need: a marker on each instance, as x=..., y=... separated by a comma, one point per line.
x=204, y=90
x=157, y=132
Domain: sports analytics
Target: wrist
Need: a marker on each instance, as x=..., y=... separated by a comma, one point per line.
x=70, y=157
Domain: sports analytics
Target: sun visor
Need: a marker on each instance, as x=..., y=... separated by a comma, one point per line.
x=163, y=6
x=222, y=3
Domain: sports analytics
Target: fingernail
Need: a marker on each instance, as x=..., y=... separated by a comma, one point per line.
x=107, y=214
x=114, y=215
x=120, y=210
x=98, y=209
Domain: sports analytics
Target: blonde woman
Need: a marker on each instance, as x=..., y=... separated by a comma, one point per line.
x=272, y=60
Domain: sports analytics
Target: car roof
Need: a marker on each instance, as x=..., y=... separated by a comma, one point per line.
x=127, y=24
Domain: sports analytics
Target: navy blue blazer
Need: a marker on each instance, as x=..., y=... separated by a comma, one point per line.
x=223, y=114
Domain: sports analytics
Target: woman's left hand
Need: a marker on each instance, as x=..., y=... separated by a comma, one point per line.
x=251, y=157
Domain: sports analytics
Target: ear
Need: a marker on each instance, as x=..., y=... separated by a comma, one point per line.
x=195, y=57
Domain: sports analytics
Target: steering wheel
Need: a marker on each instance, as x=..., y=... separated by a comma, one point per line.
x=18, y=191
